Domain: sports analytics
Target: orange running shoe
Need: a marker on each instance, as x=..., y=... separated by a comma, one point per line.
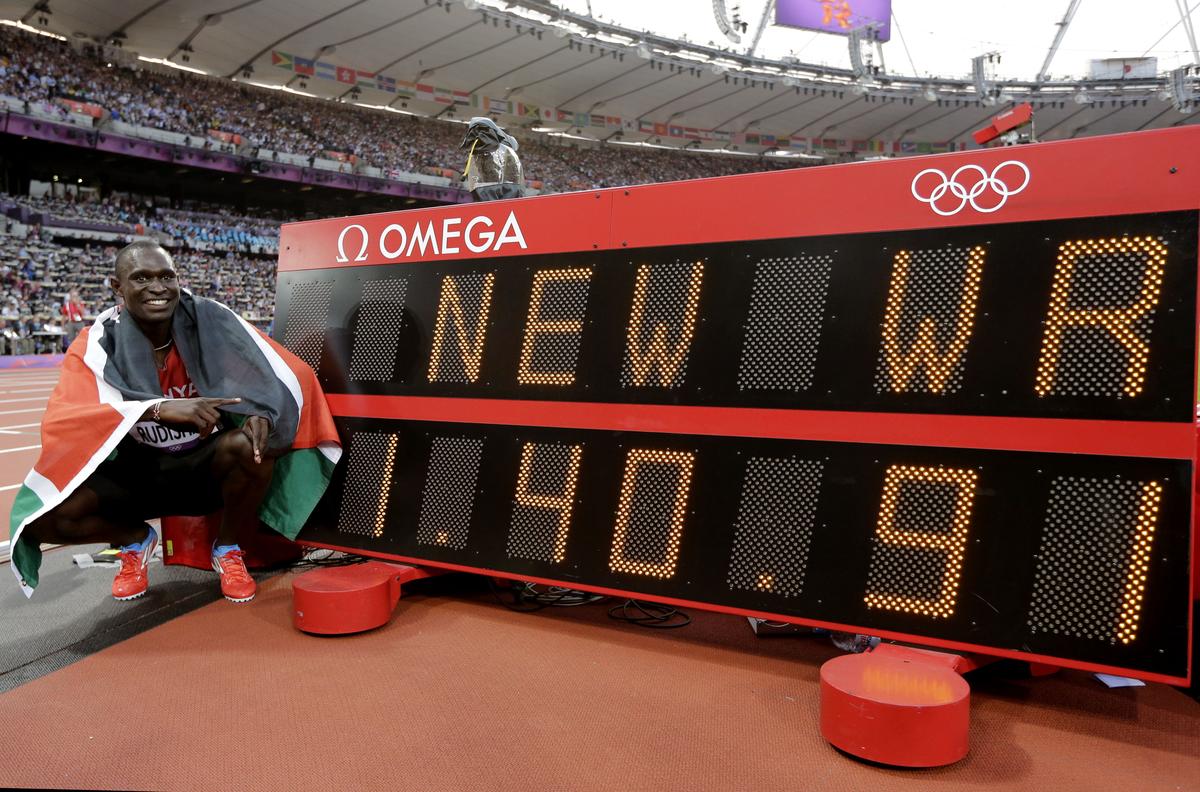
x=131, y=582
x=236, y=583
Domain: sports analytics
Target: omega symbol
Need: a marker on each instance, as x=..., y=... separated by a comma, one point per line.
x=341, y=244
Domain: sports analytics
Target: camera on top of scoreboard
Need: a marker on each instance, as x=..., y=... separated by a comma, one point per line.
x=1004, y=127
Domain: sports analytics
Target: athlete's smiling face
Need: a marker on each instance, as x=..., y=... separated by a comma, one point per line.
x=147, y=282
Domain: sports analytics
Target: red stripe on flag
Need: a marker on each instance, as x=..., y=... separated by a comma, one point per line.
x=316, y=423
x=76, y=423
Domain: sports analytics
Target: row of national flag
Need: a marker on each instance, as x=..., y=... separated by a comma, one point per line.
x=357, y=78
x=322, y=70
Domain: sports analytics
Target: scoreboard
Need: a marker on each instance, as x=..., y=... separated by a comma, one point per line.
x=950, y=400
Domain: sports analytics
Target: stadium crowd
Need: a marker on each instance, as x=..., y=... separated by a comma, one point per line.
x=52, y=246
x=219, y=254
x=38, y=69
x=217, y=230
x=36, y=276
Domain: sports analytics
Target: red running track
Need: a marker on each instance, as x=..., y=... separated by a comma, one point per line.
x=23, y=397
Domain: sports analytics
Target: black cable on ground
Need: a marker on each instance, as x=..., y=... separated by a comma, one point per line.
x=320, y=558
x=650, y=614
x=527, y=597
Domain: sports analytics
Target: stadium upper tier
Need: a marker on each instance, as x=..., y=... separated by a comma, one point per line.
x=81, y=85
x=655, y=78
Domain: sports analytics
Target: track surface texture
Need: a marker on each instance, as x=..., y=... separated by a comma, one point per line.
x=459, y=693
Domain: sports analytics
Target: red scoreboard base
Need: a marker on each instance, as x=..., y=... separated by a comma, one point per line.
x=897, y=706
x=350, y=599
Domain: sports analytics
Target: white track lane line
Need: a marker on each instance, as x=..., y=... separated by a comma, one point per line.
x=21, y=448
x=25, y=399
x=45, y=391
x=14, y=412
x=19, y=426
x=10, y=487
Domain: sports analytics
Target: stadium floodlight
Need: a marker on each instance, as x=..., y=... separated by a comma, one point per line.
x=43, y=13
x=722, y=19
x=643, y=51
x=1180, y=91
x=1081, y=97
x=470, y=5
x=930, y=93
x=981, y=69
x=860, y=36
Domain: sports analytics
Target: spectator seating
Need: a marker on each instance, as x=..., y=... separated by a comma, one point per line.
x=36, y=69
x=36, y=273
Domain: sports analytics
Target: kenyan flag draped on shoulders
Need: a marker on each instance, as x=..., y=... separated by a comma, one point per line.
x=109, y=379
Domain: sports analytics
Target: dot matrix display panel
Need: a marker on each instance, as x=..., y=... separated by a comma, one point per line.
x=1043, y=553
x=1065, y=555
x=1083, y=318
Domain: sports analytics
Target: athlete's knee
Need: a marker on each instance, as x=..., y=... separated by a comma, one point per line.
x=235, y=448
x=66, y=521
x=55, y=528
x=236, y=452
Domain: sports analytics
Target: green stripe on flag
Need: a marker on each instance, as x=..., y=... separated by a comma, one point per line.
x=26, y=556
x=298, y=482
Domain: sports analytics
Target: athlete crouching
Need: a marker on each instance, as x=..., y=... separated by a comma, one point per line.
x=171, y=404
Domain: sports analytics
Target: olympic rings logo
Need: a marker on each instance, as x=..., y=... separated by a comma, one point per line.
x=991, y=184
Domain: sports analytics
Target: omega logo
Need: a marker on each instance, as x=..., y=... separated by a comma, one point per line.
x=432, y=238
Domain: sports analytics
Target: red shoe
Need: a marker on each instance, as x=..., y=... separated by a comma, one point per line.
x=131, y=582
x=236, y=583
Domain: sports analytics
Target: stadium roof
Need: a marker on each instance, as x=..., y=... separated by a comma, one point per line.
x=541, y=65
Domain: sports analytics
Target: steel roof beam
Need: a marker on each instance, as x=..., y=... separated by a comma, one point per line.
x=900, y=121
x=206, y=21
x=1082, y=127
x=635, y=90
x=519, y=88
x=835, y=125
x=677, y=98
x=249, y=61
x=1044, y=72
x=768, y=100
x=800, y=129
x=371, y=32
x=789, y=108
x=720, y=98
x=497, y=45
x=587, y=91
x=120, y=31
x=481, y=86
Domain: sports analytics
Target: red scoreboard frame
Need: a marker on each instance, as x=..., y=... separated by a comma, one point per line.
x=980, y=201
